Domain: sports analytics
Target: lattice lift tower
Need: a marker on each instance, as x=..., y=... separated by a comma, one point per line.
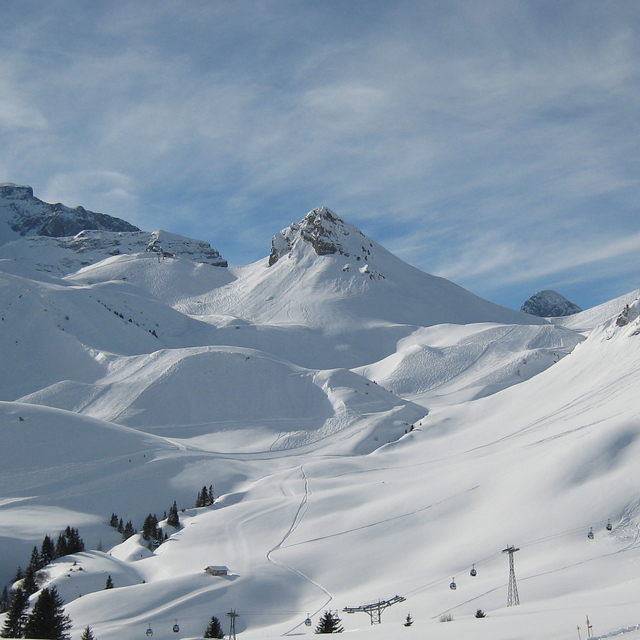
x=512, y=598
x=232, y=624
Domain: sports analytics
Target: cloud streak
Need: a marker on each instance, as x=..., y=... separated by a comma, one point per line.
x=502, y=135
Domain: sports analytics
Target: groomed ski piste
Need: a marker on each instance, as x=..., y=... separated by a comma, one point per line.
x=368, y=432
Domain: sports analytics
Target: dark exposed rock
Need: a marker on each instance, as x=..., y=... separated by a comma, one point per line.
x=549, y=304
x=30, y=216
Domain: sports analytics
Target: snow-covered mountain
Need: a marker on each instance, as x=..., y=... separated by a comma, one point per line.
x=59, y=240
x=22, y=214
x=368, y=430
x=549, y=304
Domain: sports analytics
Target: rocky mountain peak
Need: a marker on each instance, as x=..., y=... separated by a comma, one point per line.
x=15, y=191
x=549, y=304
x=325, y=232
x=26, y=215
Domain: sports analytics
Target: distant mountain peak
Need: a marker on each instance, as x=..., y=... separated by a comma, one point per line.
x=26, y=215
x=325, y=232
x=549, y=304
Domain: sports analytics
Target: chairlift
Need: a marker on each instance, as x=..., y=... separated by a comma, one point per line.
x=453, y=585
x=590, y=534
x=149, y=632
x=609, y=525
x=307, y=622
x=176, y=627
x=473, y=573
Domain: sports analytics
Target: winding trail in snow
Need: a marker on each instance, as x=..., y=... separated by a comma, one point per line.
x=297, y=519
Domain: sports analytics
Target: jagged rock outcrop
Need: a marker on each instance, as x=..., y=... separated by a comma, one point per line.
x=629, y=314
x=549, y=304
x=27, y=215
x=326, y=233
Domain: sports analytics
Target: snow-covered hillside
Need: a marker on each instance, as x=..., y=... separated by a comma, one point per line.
x=368, y=430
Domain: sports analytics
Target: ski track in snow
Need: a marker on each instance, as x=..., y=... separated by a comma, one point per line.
x=297, y=519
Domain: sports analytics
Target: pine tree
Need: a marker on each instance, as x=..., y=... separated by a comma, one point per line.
x=48, y=619
x=114, y=521
x=4, y=600
x=19, y=574
x=202, y=498
x=87, y=634
x=62, y=548
x=16, y=615
x=329, y=623
x=74, y=541
x=35, y=561
x=173, y=518
x=29, y=584
x=214, y=630
x=47, y=551
x=128, y=530
x=480, y=613
x=150, y=527
x=109, y=584
x=210, y=498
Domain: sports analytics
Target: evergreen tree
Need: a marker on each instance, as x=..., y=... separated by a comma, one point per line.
x=113, y=522
x=109, y=584
x=173, y=518
x=480, y=613
x=210, y=498
x=128, y=530
x=120, y=526
x=329, y=623
x=29, y=584
x=35, y=562
x=19, y=575
x=62, y=548
x=48, y=619
x=87, y=634
x=202, y=497
x=16, y=615
x=150, y=527
x=47, y=551
x=74, y=541
x=214, y=630
x=4, y=600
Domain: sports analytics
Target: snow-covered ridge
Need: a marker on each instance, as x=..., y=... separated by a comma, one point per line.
x=26, y=215
x=60, y=240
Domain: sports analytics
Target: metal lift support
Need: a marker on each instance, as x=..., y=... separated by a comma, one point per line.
x=375, y=609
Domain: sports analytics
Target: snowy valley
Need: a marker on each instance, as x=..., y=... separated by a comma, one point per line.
x=368, y=430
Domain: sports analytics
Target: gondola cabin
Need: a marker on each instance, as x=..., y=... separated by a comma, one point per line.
x=453, y=586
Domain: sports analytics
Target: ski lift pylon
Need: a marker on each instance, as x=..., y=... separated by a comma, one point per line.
x=473, y=573
x=453, y=585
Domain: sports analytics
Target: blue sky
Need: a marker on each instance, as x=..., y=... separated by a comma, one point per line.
x=495, y=143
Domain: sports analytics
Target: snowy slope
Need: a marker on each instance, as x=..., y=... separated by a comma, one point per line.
x=140, y=380
x=303, y=534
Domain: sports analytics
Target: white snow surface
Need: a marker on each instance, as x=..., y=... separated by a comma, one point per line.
x=367, y=432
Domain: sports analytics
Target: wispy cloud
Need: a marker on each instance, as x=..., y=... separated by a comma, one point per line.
x=479, y=140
